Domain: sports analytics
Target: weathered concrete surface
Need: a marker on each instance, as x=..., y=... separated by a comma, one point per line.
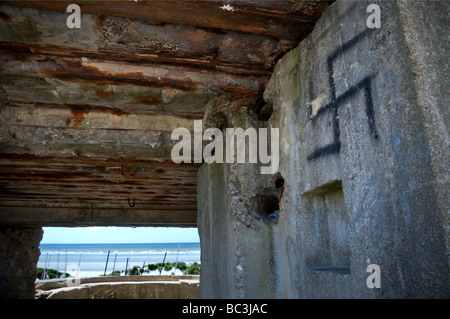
x=353, y=106
x=237, y=245
x=122, y=287
x=216, y=243
x=19, y=254
x=363, y=119
x=432, y=91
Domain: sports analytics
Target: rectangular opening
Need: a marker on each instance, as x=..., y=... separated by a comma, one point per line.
x=329, y=251
x=118, y=251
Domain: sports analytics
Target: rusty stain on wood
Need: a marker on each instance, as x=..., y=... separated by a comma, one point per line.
x=74, y=71
x=150, y=100
x=78, y=116
x=104, y=94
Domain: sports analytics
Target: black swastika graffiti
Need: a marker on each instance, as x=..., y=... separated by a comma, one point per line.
x=364, y=86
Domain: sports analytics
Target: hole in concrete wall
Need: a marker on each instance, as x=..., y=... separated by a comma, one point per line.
x=263, y=110
x=328, y=248
x=268, y=206
x=269, y=200
x=279, y=182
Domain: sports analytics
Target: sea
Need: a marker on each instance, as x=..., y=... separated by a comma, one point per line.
x=90, y=260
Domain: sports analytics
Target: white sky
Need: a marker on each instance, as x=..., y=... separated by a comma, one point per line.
x=79, y=235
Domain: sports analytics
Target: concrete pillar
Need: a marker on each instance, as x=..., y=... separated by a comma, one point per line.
x=19, y=254
x=237, y=253
x=214, y=229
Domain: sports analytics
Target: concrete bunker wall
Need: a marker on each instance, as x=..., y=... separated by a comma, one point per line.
x=363, y=176
x=19, y=254
x=364, y=142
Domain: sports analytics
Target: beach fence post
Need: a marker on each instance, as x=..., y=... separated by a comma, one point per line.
x=106, y=266
x=126, y=267
x=163, y=263
x=45, y=267
x=79, y=264
x=65, y=265
x=176, y=260
x=57, y=263
x=114, y=265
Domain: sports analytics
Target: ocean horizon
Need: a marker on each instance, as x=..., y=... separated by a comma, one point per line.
x=91, y=258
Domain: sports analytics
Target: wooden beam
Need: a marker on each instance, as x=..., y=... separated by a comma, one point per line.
x=84, y=117
x=71, y=217
x=115, y=73
x=102, y=161
x=241, y=17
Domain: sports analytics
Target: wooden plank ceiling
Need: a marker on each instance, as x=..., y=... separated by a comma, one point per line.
x=86, y=114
